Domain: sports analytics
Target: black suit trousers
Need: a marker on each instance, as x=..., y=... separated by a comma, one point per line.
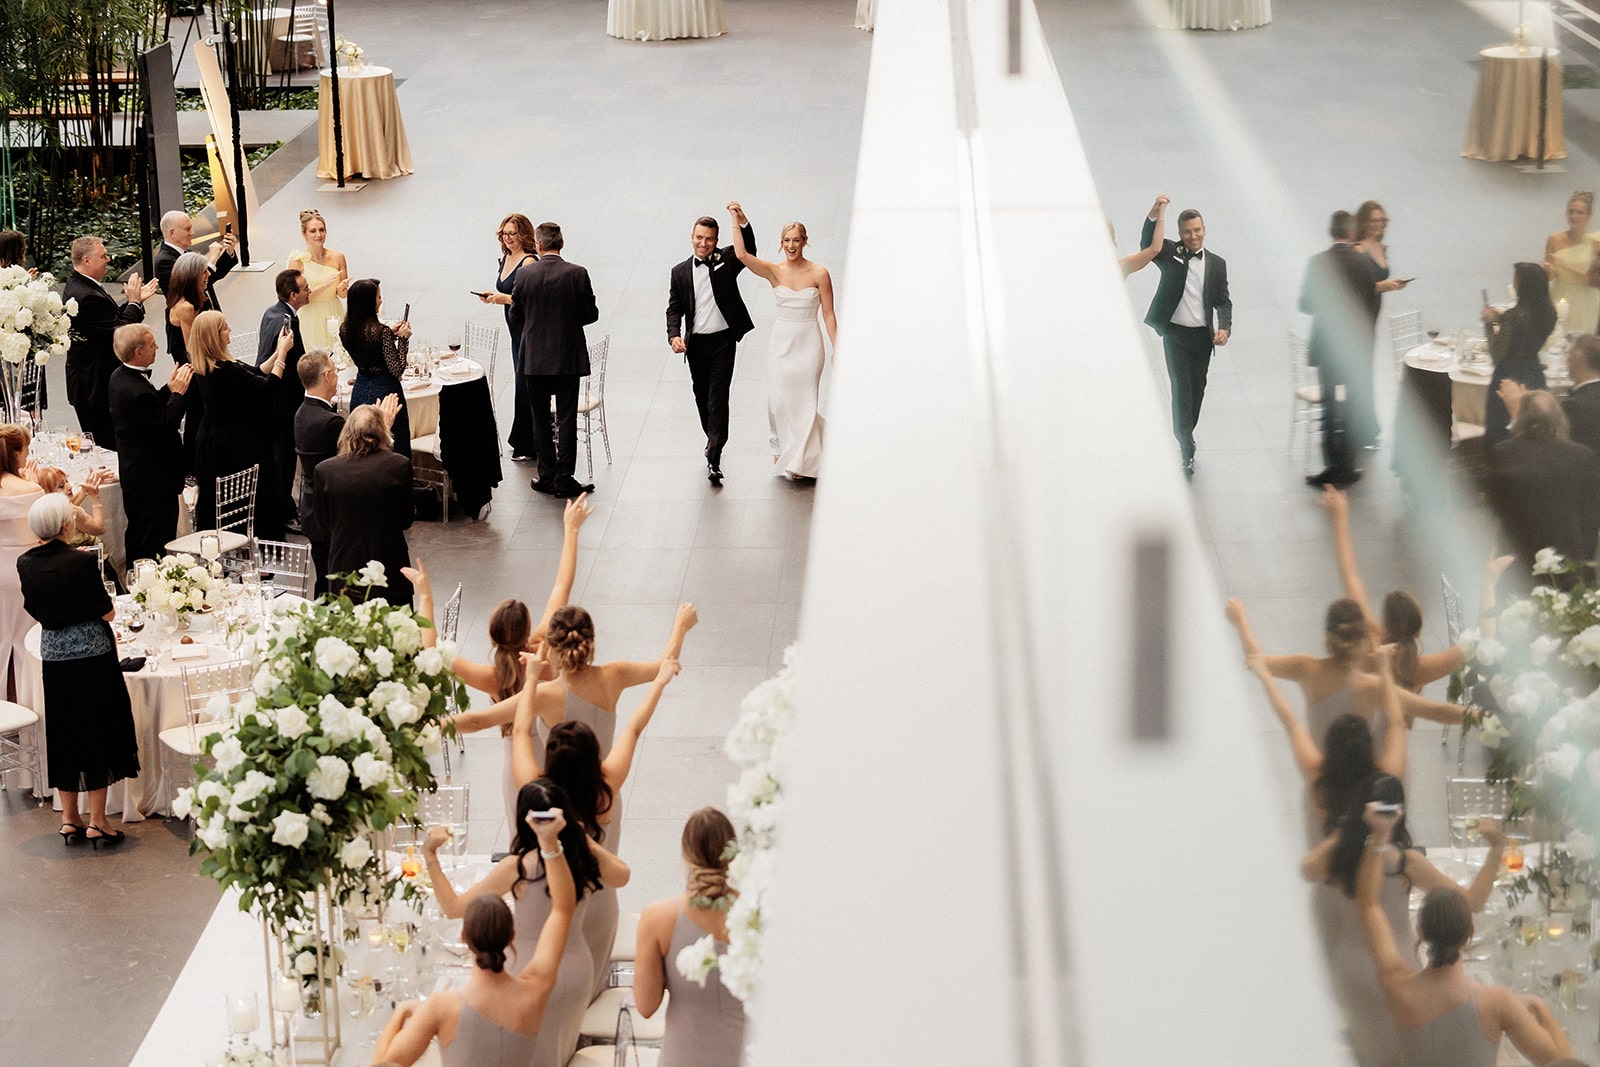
x=1188, y=351
x=710, y=358
x=1338, y=441
x=555, y=445
x=152, y=522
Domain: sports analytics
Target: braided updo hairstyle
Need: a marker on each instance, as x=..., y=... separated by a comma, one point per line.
x=706, y=840
x=487, y=930
x=1345, y=630
x=1444, y=924
x=570, y=636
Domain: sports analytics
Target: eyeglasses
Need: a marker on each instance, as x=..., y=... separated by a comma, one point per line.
x=506, y=233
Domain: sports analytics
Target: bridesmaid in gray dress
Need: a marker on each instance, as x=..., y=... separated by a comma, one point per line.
x=496, y=1019
x=705, y=1022
x=1443, y=1017
x=524, y=876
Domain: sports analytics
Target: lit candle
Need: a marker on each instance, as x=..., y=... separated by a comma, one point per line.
x=242, y=1011
x=210, y=546
x=147, y=573
x=285, y=994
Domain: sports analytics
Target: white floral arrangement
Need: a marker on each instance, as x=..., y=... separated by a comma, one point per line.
x=755, y=806
x=304, y=947
x=179, y=584
x=245, y=1054
x=1537, y=686
x=329, y=747
x=34, y=320
x=351, y=51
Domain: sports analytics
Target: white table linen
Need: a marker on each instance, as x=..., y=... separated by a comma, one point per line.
x=664, y=20
x=1221, y=14
x=1469, y=382
x=422, y=394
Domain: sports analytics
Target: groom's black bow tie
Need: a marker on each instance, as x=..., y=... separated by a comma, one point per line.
x=1188, y=255
x=706, y=263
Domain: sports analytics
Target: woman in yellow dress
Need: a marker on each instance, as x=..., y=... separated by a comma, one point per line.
x=328, y=277
x=1567, y=257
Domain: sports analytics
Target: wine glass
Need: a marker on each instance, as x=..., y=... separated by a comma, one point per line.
x=74, y=442
x=454, y=342
x=86, y=442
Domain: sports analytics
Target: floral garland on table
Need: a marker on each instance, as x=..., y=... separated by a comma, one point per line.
x=35, y=323
x=329, y=747
x=755, y=805
x=1537, y=686
x=179, y=584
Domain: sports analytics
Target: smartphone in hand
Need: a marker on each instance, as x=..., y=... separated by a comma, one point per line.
x=405, y=316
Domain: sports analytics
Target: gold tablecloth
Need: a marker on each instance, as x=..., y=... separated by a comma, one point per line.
x=374, y=134
x=1220, y=14
x=664, y=20
x=1505, y=112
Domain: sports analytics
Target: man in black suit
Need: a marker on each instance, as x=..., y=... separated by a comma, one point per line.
x=91, y=359
x=1343, y=303
x=1544, y=488
x=177, y=234
x=553, y=301
x=1192, y=314
x=1582, y=405
x=294, y=292
x=706, y=319
x=149, y=450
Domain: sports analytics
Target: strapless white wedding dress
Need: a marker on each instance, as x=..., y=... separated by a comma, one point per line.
x=794, y=377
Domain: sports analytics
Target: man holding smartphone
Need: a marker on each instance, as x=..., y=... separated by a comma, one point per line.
x=277, y=479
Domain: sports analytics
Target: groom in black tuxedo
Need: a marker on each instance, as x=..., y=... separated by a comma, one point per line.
x=1192, y=314
x=706, y=319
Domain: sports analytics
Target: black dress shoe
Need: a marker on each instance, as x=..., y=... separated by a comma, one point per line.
x=571, y=488
x=1336, y=478
x=714, y=475
x=538, y=486
x=517, y=457
x=294, y=528
x=1188, y=469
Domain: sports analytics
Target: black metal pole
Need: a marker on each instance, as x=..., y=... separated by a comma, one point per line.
x=1544, y=98
x=338, y=119
x=241, y=212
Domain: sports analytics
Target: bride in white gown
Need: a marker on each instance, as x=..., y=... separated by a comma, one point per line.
x=801, y=288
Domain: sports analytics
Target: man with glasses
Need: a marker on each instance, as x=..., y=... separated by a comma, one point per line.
x=277, y=476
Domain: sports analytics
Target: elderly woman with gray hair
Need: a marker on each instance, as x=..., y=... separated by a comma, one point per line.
x=88, y=721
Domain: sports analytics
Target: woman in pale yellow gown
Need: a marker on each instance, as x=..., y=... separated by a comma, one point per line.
x=1567, y=256
x=328, y=277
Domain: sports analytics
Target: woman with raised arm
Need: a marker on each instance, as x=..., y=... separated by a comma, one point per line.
x=511, y=633
x=495, y=1019
x=1568, y=256
x=1335, y=684
x=1141, y=259
x=801, y=288
x=593, y=782
x=328, y=275
x=1442, y=1017
x=1516, y=337
x=705, y=1022
x=1333, y=864
x=521, y=874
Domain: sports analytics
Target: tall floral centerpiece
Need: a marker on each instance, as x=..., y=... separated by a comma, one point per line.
x=329, y=748
x=755, y=806
x=35, y=325
x=1537, y=684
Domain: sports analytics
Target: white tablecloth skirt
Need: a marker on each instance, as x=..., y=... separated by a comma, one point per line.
x=1220, y=14
x=664, y=20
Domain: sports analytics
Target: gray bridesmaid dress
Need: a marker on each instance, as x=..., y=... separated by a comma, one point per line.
x=705, y=1024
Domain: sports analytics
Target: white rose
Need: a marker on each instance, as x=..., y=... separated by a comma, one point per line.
x=183, y=803
x=380, y=743
x=1561, y=763
x=405, y=633
x=402, y=712
x=431, y=740
x=209, y=788
x=1490, y=651
x=213, y=833
x=254, y=785
x=382, y=661
x=228, y=754
x=1585, y=647
x=384, y=692
x=319, y=812
x=356, y=852
x=329, y=780
x=292, y=721
x=306, y=963
x=290, y=829
x=335, y=657
x=429, y=661
x=264, y=682
x=23, y=318
x=1494, y=731
x=1548, y=561
x=372, y=574
x=370, y=770
x=218, y=708
x=1542, y=649
x=696, y=961
x=72, y=306
x=1581, y=846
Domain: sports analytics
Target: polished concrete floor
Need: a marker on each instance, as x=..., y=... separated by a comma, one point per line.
x=532, y=108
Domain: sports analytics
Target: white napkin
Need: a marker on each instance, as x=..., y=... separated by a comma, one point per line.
x=190, y=652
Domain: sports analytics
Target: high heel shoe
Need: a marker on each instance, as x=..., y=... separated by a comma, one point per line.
x=71, y=832
x=115, y=837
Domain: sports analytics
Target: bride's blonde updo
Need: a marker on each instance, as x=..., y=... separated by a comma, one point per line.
x=801, y=228
x=570, y=637
x=706, y=840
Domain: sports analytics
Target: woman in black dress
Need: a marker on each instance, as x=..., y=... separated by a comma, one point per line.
x=363, y=502
x=516, y=252
x=236, y=429
x=1515, y=337
x=88, y=725
x=379, y=354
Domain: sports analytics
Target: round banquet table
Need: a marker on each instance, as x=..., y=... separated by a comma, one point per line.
x=158, y=704
x=664, y=20
x=375, y=143
x=48, y=452
x=422, y=394
x=1504, y=124
x=1220, y=14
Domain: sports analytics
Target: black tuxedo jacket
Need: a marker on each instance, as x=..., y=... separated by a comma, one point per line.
x=724, y=287
x=1173, y=263
x=289, y=391
x=1582, y=406
x=166, y=256
x=91, y=360
x=363, y=507
x=1343, y=303
x=148, y=446
x=1547, y=495
x=552, y=302
x=316, y=438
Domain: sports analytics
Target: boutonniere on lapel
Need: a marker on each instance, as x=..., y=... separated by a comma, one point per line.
x=716, y=260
